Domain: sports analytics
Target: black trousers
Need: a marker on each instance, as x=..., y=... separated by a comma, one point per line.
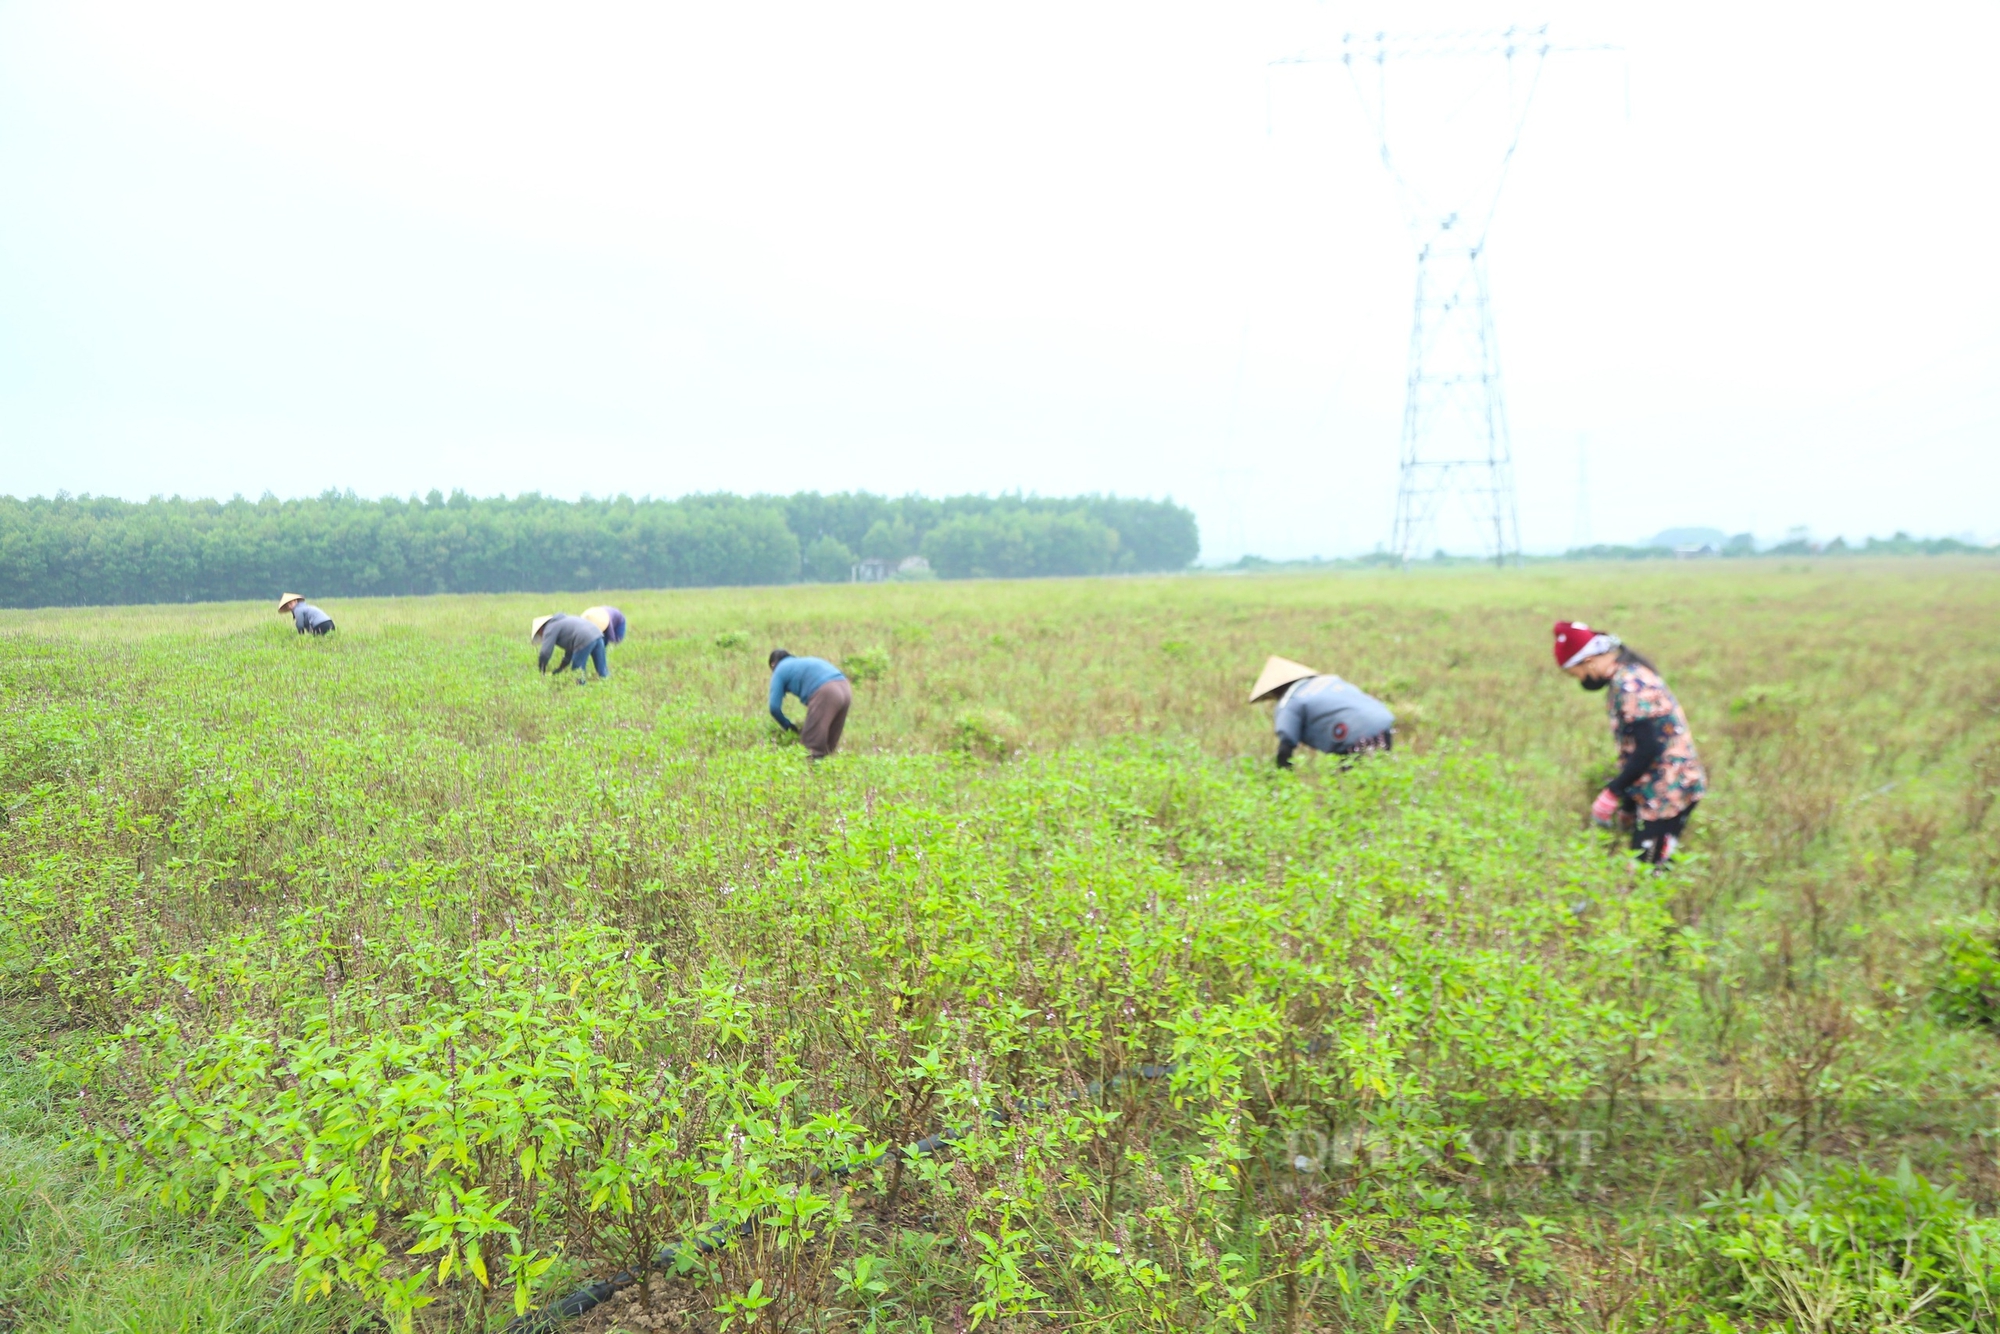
x=1383, y=740
x=1654, y=840
x=1368, y=745
x=323, y=628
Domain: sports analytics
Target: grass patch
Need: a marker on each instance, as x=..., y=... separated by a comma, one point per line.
x=80, y=1255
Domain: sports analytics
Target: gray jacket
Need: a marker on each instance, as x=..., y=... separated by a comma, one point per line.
x=571, y=634
x=1330, y=715
x=305, y=616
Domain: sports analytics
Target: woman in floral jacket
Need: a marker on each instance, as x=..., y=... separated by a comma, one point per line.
x=1661, y=779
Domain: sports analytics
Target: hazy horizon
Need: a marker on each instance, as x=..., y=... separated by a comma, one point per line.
x=1053, y=250
x=1669, y=536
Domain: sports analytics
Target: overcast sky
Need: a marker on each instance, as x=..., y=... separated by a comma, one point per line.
x=1742, y=268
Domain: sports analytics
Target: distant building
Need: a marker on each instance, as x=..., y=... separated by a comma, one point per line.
x=1695, y=552
x=875, y=570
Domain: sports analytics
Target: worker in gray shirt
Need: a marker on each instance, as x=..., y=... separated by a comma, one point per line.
x=1323, y=713
x=582, y=644
x=306, y=618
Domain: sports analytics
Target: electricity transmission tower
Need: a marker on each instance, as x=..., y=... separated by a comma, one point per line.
x=1454, y=442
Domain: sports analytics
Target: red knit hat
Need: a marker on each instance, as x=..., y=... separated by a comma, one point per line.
x=1576, y=641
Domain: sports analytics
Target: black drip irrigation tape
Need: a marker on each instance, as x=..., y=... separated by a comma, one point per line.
x=594, y=1294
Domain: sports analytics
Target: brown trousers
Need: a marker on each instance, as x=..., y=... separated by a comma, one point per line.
x=826, y=717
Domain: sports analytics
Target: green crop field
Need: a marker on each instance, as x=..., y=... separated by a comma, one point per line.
x=379, y=982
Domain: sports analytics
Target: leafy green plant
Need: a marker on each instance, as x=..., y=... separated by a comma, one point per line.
x=988, y=733
x=866, y=664
x=1850, y=1250
x=1968, y=980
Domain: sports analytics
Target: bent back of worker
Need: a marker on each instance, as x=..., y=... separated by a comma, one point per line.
x=1331, y=715
x=801, y=677
x=576, y=637
x=308, y=619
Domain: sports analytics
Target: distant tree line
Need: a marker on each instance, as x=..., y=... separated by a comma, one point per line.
x=84, y=550
x=1744, y=545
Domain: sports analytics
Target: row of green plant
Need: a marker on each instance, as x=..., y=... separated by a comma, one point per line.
x=591, y=1074
x=448, y=987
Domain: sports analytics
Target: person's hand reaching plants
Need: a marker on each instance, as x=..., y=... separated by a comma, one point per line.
x=1605, y=808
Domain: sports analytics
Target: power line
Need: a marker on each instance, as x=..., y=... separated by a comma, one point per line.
x=1580, y=536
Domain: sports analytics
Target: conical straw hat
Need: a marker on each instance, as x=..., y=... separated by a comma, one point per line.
x=285, y=602
x=599, y=617
x=1277, y=674
x=535, y=629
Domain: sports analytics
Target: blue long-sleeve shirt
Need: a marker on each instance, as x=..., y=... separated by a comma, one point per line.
x=802, y=677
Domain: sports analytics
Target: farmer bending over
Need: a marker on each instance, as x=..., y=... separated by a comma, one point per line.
x=822, y=689
x=581, y=643
x=609, y=621
x=1322, y=713
x=306, y=618
x=1661, y=780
